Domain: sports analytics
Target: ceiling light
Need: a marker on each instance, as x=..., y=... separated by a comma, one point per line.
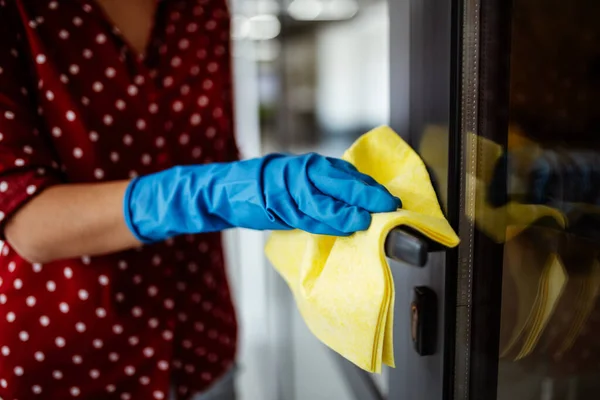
x=305, y=10
x=264, y=27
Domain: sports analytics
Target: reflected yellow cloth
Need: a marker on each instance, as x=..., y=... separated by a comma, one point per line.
x=343, y=286
x=499, y=223
x=551, y=286
x=589, y=294
x=525, y=265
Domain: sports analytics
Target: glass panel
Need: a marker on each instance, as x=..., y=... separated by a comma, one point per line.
x=550, y=317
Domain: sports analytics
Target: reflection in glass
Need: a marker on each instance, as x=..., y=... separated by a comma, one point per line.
x=550, y=334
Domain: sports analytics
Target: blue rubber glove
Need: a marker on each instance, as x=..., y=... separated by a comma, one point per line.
x=309, y=192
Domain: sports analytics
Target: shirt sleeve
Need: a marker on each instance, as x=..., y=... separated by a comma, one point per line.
x=27, y=164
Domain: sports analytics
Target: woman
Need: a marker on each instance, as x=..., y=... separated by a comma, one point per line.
x=112, y=285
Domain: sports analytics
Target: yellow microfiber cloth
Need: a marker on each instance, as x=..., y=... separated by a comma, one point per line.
x=343, y=285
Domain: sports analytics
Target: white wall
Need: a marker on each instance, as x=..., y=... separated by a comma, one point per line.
x=353, y=70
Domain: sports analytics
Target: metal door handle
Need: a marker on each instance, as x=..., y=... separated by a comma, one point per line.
x=409, y=246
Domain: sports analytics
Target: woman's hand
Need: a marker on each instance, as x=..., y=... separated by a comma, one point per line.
x=309, y=192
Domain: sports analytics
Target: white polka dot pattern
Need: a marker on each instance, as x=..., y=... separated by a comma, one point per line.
x=121, y=326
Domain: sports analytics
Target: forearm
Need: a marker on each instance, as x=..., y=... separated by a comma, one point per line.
x=70, y=221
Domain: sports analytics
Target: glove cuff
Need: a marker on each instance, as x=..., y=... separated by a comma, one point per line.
x=128, y=212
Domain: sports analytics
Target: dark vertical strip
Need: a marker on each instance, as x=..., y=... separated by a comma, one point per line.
x=493, y=97
x=453, y=206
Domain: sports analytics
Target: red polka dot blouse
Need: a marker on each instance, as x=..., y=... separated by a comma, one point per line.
x=77, y=104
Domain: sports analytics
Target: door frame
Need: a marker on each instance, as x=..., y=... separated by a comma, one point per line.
x=459, y=81
x=433, y=98
x=493, y=18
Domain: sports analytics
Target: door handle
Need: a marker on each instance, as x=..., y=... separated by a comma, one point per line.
x=406, y=245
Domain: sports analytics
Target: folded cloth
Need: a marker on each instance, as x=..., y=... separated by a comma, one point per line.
x=343, y=285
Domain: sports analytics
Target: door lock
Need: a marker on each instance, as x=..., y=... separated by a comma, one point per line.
x=423, y=320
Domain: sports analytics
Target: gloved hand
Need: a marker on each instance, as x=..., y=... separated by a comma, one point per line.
x=553, y=177
x=277, y=192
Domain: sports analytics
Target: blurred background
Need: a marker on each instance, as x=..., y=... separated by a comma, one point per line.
x=311, y=75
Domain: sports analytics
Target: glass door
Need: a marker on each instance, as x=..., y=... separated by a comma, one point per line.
x=549, y=342
x=526, y=152
x=504, y=107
